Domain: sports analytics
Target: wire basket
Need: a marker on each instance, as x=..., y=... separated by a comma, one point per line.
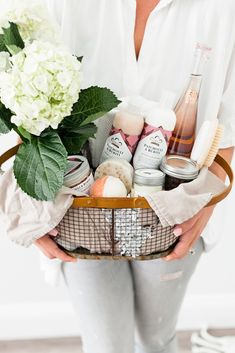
x=118, y=228
x=121, y=232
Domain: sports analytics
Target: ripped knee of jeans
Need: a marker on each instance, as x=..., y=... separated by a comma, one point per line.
x=164, y=277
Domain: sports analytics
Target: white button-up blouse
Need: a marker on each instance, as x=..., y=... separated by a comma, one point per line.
x=102, y=31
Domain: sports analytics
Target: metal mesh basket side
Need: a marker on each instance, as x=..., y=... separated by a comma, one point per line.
x=85, y=228
x=114, y=232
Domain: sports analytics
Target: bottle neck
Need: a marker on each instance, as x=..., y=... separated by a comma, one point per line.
x=200, y=59
x=195, y=83
x=191, y=93
x=201, y=56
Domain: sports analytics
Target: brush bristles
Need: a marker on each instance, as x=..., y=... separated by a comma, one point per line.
x=215, y=146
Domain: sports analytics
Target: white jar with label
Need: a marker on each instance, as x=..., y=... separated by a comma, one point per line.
x=78, y=175
x=147, y=182
x=158, y=128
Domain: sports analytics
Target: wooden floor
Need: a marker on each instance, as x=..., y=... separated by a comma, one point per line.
x=74, y=345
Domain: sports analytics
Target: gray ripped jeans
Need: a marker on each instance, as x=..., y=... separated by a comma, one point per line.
x=129, y=307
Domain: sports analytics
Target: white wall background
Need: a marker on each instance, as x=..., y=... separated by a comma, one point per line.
x=29, y=308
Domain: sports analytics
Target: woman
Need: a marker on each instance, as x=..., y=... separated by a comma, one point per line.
x=141, y=47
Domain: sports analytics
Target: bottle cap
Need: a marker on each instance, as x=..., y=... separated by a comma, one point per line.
x=151, y=177
x=202, y=54
x=179, y=167
x=156, y=116
x=131, y=105
x=77, y=170
x=132, y=108
x=137, y=105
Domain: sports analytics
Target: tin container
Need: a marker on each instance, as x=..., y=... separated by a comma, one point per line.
x=178, y=170
x=147, y=181
x=78, y=175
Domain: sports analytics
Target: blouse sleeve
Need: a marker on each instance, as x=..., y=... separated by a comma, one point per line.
x=227, y=108
x=55, y=8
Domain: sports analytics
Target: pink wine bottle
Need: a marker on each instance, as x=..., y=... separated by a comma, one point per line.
x=182, y=139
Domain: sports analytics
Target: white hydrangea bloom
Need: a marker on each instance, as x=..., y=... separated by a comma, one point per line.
x=3, y=24
x=41, y=86
x=32, y=18
x=4, y=61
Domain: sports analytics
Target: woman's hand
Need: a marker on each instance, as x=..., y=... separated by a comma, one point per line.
x=49, y=247
x=189, y=232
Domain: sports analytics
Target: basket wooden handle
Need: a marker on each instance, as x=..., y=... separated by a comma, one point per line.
x=8, y=154
x=138, y=202
x=229, y=172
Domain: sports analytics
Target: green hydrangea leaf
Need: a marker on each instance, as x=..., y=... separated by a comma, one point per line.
x=2, y=43
x=74, y=140
x=93, y=103
x=23, y=133
x=39, y=166
x=12, y=36
x=80, y=58
x=13, y=49
x=5, y=120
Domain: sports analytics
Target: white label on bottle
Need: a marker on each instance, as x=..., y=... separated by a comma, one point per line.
x=115, y=147
x=150, y=151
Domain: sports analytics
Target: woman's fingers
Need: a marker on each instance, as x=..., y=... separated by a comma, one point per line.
x=187, y=232
x=59, y=254
x=183, y=246
x=54, y=232
x=186, y=226
x=51, y=249
x=46, y=253
x=190, y=233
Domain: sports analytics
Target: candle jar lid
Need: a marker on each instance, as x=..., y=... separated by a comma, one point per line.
x=151, y=177
x=179, y=167
x=78, y=169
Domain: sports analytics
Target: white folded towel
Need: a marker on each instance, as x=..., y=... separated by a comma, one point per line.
x=26, y=219
x=180, y=204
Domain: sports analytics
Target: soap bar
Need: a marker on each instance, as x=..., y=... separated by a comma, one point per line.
x=108, y=186
x=118, y=168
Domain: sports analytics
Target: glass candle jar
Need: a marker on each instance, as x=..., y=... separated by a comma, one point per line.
x=147, y=181
x=178, y=170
